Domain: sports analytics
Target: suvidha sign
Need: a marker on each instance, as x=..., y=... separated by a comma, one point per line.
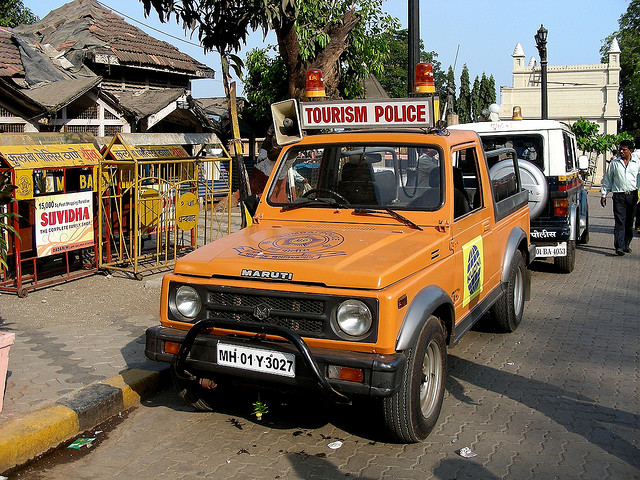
x=64, y=223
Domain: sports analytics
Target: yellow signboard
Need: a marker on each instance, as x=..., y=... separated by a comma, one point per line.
x=24, y=185
x=148, y=152
x=187, y=211
x=23, y=157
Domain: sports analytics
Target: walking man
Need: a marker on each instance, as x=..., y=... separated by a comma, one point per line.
x=621, y=178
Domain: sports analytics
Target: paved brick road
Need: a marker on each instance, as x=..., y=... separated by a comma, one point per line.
x=559, y=398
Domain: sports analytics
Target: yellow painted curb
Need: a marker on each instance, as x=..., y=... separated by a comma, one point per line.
x=25, y=438
x=134, y=384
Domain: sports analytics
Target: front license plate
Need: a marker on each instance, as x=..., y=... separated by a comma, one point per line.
x=559, y=250
x=257, y=359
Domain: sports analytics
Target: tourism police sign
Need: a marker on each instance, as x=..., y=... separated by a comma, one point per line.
x=418, y=112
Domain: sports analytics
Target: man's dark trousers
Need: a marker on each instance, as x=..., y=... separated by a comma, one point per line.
x=624, y=212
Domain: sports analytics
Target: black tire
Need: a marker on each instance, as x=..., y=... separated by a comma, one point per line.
x=584, y=238
x=508, y=309
x=567, y=263
x=412, y=412
x=193, y=394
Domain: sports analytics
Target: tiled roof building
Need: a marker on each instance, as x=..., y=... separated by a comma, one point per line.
x=84, y=68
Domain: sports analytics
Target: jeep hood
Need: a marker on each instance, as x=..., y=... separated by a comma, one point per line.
x=348, y=256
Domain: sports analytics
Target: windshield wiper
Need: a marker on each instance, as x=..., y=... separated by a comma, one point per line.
x=393, y=213
x=303, y=202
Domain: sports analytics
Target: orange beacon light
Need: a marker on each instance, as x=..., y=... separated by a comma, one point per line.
x=424, y=79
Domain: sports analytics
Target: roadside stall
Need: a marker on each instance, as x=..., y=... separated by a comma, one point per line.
x=53, y=207
x=161, y=196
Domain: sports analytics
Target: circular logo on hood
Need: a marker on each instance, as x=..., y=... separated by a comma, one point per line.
x=309, y=245
x=301, y=242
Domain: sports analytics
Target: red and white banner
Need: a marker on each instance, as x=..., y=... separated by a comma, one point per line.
x=368, y=113
x=64, y=222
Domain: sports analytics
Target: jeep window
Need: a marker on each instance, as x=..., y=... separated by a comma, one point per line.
x=528, y=147
x=467, y=194
x=569, y=152
x=393, y=176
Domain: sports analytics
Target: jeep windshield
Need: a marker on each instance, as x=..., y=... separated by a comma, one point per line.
x=359, y=176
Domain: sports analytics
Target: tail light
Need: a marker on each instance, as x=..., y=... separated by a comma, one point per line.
x=561, y=207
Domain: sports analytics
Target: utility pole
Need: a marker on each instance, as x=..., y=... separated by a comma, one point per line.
x=413, y=16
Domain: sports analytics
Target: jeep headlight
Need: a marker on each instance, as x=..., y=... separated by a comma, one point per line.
x=354, y=318
x=188, y=302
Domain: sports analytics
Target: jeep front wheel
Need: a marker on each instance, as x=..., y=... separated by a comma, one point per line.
x=411, y=413
x=193, y=394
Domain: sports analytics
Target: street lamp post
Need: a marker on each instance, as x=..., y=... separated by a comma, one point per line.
x=541, y=44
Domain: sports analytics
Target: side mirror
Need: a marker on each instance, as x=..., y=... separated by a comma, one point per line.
x=251, y=204
x=583, y=162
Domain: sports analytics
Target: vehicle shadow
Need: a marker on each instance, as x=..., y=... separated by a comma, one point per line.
x=577, y=413
x=303, y=412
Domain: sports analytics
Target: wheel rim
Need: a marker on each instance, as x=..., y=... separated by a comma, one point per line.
x=518, y=293
x=431, y=378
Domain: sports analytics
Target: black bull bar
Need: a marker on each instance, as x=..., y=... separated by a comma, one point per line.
x=297, y=341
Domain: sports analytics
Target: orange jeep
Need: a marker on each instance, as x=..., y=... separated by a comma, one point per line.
x=370, y=254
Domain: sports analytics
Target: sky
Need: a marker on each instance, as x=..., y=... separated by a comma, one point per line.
x=482, y=33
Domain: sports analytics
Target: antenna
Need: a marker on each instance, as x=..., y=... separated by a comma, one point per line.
x=455, y=61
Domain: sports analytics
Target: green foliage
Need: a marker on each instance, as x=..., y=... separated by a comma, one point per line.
x=367, y=48
x=13, y=13
x=366, y=53
x=394, y=75
x=223, y=25
x=6, y=228
x=463, y=103
x=476, y=105
x=590, y=141
x=628, y=36
x=265, y=83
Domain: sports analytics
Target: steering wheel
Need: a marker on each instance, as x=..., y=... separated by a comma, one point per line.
x=324, y=190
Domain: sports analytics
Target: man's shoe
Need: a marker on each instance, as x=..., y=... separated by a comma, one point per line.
x=619, y=252
x=627, y=250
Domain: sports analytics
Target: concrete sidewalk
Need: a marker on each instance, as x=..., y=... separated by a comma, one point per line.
x=78, y=359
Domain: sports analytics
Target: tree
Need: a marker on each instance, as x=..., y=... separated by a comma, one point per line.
x=265, y=83
x=476, y=105
x=394, y=75
x=628, y=36
x=13, y=13
x=590, y=141
x=463, y=104
x=310, y=34
x=486, y=95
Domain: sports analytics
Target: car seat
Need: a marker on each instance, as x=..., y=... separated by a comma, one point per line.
x=356, y=183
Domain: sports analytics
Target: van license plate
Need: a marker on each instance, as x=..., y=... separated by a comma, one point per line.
x=559, y=250
x=257, y=359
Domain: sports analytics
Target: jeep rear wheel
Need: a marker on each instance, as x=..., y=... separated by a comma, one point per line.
x=584, y=238
x=507, y=311
x=411, y=413
x=567, y=263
